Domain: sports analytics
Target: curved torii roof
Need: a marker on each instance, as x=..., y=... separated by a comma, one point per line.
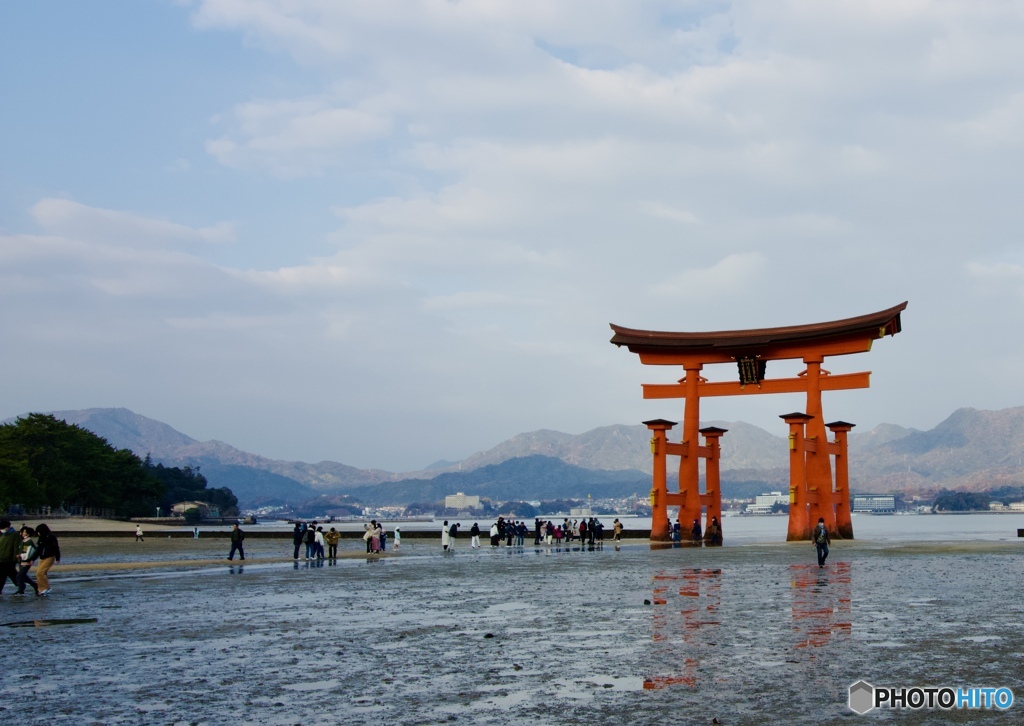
x=769, y=342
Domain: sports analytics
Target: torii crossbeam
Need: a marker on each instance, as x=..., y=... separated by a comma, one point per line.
x=812, y=492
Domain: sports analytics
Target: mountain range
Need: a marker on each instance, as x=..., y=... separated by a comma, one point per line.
x=971, y=450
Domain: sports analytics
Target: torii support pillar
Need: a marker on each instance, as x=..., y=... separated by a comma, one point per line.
x=841, y=496
x=712, y=451
x=660, y=531
x=809, y=500
x=799, y=517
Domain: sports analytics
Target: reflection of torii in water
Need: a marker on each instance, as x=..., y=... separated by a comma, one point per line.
x=811, y=490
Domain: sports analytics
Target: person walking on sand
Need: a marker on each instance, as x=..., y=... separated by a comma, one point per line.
x=237, y=536
x=474, y=537
x=617, y=527
x=821, y=541
x=445, y=536
x=27, y=558
x=453, y=532
x=696, y=536
x=195, y=533
x=138, y=533
x=398, y=538
x=10, y=549
x=48, y=553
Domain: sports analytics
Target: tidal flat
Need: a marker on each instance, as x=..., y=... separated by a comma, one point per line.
x=742, y=634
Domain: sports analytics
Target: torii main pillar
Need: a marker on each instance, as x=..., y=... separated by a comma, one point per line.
x=811, y=479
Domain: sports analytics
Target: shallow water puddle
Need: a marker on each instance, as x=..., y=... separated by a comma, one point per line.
x=47, y=623
x=310, y=685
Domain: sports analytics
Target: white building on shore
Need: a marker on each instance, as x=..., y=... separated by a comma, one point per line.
x=461, y=502
x=763, y=503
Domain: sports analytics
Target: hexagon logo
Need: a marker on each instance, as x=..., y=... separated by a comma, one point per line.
x=862, y=697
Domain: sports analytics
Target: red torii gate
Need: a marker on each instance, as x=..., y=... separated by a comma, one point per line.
x=812, y=492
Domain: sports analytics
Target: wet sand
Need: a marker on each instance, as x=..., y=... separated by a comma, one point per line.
x=747, y=634
x=86, y=524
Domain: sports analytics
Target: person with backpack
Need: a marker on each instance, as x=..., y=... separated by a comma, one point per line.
x=821, y=541
x=310, y=541
x=713, y=535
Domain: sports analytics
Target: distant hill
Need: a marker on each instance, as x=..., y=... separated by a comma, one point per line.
x=627, y=447
x=526, y=478
x=972, y=450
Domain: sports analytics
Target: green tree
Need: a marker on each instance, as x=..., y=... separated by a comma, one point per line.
x=954, y=501
x=193, y=515
x=188, y=485
x=46, y=461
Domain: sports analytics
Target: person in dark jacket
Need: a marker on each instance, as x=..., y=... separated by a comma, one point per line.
x=237, y=536
x=297, y=536
x=48, y=554
x=10, y=549
x=713, y=535
x=310, y=540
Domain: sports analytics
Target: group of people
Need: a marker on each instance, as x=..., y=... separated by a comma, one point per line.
x=376, y=537
x=514, y=532
x=314, y=538
x=19, y=553
x=324, y=545
x=711, y=538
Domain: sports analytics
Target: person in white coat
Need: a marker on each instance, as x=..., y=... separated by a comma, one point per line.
x=319, y=539
x=445, y=541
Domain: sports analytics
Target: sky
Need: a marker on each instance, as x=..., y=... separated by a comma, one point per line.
x=388, y=233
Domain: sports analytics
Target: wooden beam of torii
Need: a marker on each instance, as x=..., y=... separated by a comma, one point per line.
x=811, y=485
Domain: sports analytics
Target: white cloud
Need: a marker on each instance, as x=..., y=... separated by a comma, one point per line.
x=474, y=300
x=726, y=277
x=63, y=216
x=507, y=178
x=664, y=211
